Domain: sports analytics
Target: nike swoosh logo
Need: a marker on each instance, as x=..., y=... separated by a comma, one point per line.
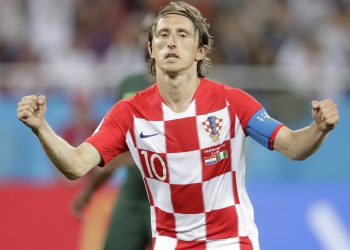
x=142, y=136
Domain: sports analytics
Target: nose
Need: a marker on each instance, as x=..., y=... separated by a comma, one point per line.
x=172, y=41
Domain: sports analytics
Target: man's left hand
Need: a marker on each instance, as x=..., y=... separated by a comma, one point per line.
x=325, y=113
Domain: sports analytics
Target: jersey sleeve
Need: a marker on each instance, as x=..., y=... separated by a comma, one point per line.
x=241, y=105
x=253, y=118
x=109, y=137
x=263, y=129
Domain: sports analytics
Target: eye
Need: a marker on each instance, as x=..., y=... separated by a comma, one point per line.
x=183, y=35
x=163, y=34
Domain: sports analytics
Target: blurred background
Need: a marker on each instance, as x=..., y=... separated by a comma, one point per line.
x=284, y=52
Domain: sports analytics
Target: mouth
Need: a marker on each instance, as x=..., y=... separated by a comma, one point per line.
x=171, y=55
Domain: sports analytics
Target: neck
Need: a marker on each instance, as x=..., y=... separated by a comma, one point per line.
x=178, y=91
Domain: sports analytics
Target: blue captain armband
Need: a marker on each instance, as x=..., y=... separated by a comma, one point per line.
x=262, y=128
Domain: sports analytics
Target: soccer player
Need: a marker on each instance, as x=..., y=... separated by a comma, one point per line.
x=186, y=134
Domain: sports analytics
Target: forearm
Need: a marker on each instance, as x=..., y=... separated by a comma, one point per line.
x=306, y=141
x=65, y=157
x=300, y=144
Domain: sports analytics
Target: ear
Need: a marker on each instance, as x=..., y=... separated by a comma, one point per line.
x=150, y=50
x=201, y=52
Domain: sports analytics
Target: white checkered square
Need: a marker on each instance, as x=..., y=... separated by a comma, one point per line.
x=238, y=148
x=171, y=115
x=185, y=168
x=225, y=244
x=205, y=139
x=163, y=242
x=161, y=195
x=244, y=220
x=154, y=132
x=153, y=221
x=134, y=152
x=219, y=185
x=190, y=227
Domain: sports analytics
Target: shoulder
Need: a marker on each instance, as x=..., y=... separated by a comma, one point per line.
x=224, y=89
x=239, y=101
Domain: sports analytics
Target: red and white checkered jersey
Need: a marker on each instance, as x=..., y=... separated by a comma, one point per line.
x=193, y=164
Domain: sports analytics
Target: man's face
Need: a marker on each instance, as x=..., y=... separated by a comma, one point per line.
x=175, y=44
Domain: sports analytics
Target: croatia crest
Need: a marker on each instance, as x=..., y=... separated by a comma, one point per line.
x=212, y=126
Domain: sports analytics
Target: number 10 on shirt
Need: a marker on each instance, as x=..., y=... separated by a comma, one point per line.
x=151, y=165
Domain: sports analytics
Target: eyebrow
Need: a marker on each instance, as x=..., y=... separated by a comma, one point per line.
x=177, y=30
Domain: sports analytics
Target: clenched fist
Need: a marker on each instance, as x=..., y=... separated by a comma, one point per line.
x=325, y=114
x=31, y=111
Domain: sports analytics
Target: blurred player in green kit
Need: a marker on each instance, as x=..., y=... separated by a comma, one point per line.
x=130, y=227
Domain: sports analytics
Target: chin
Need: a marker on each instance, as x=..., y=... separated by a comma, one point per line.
x=172, y=70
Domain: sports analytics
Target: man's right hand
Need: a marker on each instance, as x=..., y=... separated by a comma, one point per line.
x=31, y=111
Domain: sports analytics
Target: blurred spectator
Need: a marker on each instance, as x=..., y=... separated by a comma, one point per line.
x=315, y=60
x=12, y=20
x=75, y=41
x=247, y=32
x=50, y=26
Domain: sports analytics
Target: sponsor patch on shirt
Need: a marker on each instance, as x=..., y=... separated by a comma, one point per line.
x=214, y=155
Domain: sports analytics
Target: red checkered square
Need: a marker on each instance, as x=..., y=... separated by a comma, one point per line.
x=222, y=223
x=216, y=166
x=187, y=199
x=246, y=244
x=165, y=223
x=198, y=245
x=209, y=97
x=181, y=135
x=152, y=111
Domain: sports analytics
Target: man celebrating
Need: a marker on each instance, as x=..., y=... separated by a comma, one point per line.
x=186, y=134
